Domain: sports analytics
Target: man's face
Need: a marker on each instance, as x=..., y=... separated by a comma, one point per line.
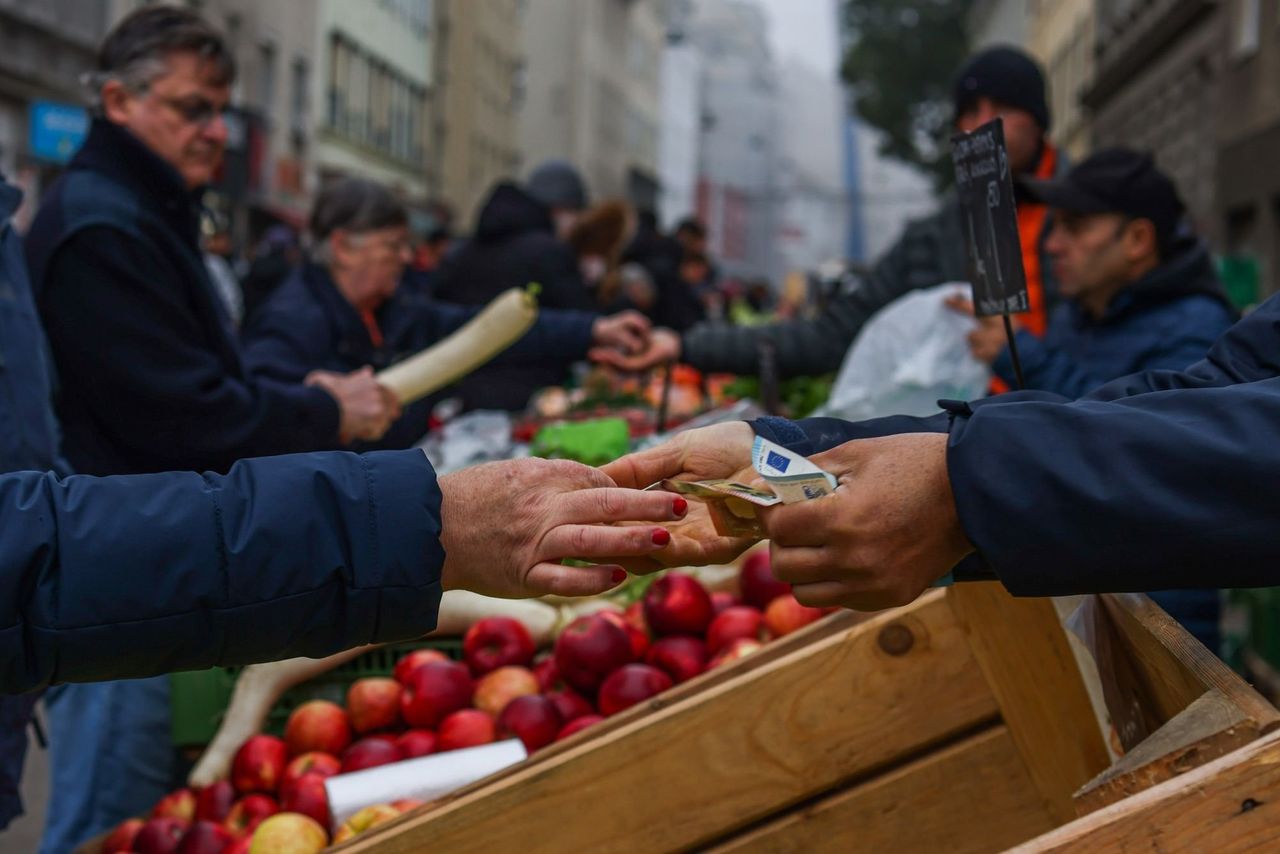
x=1088, y=251
x=1022, y=135
x=369, y=264
x=178, y=115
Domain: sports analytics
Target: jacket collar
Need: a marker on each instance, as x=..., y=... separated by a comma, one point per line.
x=1188, y=272
x=113, y=151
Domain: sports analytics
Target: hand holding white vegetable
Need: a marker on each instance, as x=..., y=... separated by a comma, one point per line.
x=366, y=409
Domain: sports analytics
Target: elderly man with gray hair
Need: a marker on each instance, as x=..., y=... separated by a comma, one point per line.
x=352, y=304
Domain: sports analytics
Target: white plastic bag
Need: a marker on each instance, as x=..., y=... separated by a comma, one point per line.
x=913, y=353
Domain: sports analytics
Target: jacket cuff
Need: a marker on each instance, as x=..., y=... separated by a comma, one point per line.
x=405, y=500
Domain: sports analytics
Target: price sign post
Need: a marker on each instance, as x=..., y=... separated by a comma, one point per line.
x=985, y=188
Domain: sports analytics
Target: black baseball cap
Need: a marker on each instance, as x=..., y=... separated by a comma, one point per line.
x=1116, y=180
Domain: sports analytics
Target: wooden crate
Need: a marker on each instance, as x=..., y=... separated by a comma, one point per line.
x=958, y=723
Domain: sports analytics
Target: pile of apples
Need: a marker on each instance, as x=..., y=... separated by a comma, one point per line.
x=601, y=664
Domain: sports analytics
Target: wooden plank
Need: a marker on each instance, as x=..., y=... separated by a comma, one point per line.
x=1171, y=669
x=973, y=796
x=1210, y=727
x=1029, y=665
x=1230, y=804
x=730, y=755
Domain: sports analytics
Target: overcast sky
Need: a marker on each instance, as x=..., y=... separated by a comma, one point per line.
x=804, y=30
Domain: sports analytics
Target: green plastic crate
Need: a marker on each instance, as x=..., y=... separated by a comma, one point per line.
x=198, y=698
x=594, y=442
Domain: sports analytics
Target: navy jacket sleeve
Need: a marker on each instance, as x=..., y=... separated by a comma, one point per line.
x=1168, y=489
x=130, y=576
x=168, y=394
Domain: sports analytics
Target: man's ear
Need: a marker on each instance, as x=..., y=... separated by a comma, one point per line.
x=338, y=245
x=115, y=101
x=1140, y=240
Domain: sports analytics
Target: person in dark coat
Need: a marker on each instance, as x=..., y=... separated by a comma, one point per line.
x=1141, y=294
x=519, y=238
x=356, y=303
x=149, y=367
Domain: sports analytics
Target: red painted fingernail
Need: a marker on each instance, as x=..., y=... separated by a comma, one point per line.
x=661, y=536
x=681, y=506
x=619, y=576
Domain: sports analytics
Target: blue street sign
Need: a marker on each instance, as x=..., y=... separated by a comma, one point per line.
x=57, y=130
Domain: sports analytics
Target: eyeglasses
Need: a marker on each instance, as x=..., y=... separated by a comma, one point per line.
x=195, y=111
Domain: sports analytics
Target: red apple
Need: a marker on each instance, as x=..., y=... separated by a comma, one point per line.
x=433, y=690
x=629, y=685
x=307, y=796
x=317, y=725
x=465, y=728
x=214, y=801
x=680, y=657
x=589, y=649
x=309, y=763
x=258, y=765
x=363, y=820
x=499, y=687
x=635, y=616
x=289, y=833
x=722, y=599
x=576, y=726
x=205, y=837
x=240, y=846
x=532, y=719
x=639, y=637
x=494, y=642
x=677, y=604
x=570, y=704
x=161, y=835
x=122, y=838
x=417, y=742
x=406, y=804
x=180, y=804
x=740, y=621
x=739, y=648
x=413, y=660
x=249, y=812
x=548, y=674
x=370, y=753
x=785, y=615
x=373, y=704
x=756, y=579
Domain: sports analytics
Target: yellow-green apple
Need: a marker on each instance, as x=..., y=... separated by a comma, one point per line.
x=363, y=820
x=289, y=833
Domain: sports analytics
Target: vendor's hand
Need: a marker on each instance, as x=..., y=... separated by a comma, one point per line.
x=721, y=451
x=663, y=346
x=367, y=408
x=505, y=527
x=888, y=532
x=625, y=332
x=988, y=340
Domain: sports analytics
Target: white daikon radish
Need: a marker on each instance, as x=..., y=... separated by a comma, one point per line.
x=499, y=325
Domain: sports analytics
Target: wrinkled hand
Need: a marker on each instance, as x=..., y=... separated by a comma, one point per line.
x=889, y=531
x=626, y=332
x=367, y=408
x=505, y=527
x=719, y=451
x=988, y=340
x=663, y=346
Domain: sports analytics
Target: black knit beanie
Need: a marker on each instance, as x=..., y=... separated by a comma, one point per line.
x=1007, y=75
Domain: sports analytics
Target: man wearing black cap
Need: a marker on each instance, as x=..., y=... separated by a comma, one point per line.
x=1140, y=291
x=1140, y=294
x=999, y=82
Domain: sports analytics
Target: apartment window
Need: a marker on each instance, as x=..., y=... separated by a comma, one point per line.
x=267, y=76
x=1244, y=37
x=373, y=104
x=298, y=101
